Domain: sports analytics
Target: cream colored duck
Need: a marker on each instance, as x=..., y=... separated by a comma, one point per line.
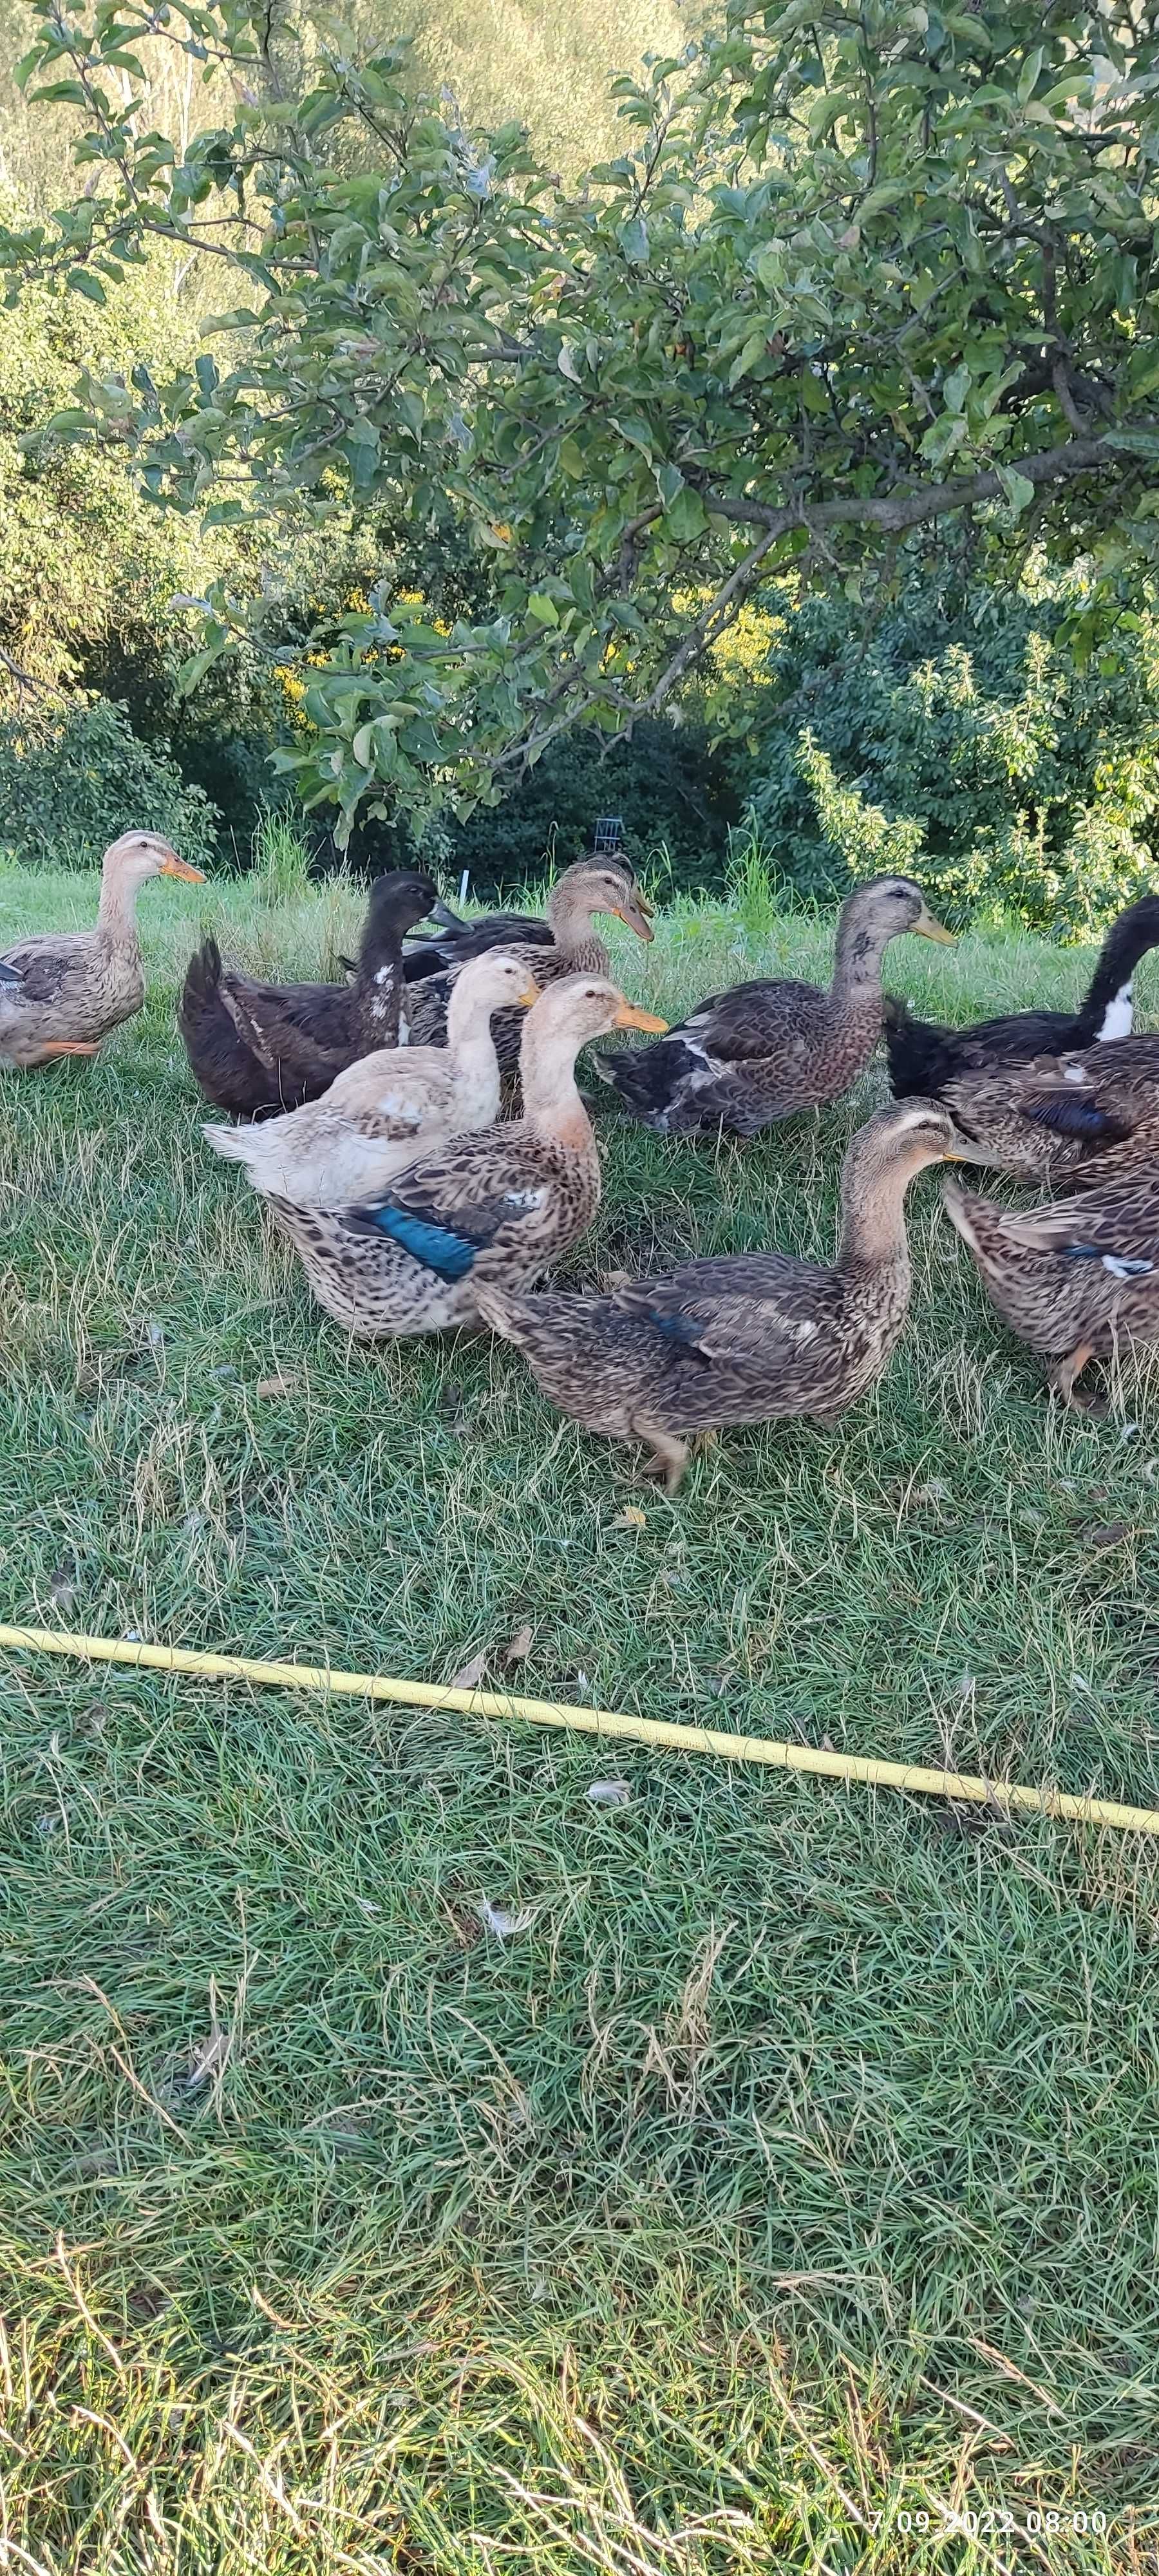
x=74, y=986
x=501, y=1207
x=389, y=1106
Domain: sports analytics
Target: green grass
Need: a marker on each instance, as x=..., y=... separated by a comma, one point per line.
x=791, y=2174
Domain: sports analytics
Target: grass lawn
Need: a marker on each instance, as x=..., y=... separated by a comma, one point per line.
x=786, y=2184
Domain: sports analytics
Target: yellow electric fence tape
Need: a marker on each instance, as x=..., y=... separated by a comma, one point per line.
x=1011, y=1795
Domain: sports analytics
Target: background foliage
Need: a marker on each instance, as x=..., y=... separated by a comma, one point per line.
x=480, y=468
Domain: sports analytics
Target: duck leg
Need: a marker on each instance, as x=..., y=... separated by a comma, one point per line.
x=1062, y=1380
x=669, y=1457
x=69, y=1046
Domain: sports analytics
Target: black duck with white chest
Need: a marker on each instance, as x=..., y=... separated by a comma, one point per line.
x=258, y=1049
x=924, y=1058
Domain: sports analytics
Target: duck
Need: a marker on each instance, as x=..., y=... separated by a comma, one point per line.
x=259, y=1049
x=923, y=1057
x=567, y=943
x=64, y=991
x=1074, y=1279
x=503, y=1205
x=389, y=1106
x=751, y=1337
x=759, y=1052
x=1063, y=1115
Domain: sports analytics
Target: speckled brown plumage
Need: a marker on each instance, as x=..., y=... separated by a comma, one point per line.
x=1078, y=1277
x=1062, y=1117
x=747, y=1057
x=499, y=1206
x=258, y=1049
x=71, y=988
x=574, y=948
x=750, y=1339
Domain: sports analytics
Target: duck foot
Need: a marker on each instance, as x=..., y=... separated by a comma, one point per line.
x=1061, y=1381
x=669, y=1457
x=69, y=1046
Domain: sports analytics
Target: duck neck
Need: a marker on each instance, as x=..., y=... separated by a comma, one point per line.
x=571, y=922
x=470, y=1041
x=1108, y=1011
x=378, y=984
x=857, y=963
x=551, y=1100
x=873, y=1236
x=117, y=915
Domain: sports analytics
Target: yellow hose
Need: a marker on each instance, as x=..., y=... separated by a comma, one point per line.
x=1012, y=1795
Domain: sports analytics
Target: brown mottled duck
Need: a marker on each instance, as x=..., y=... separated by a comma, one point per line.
x=568, y=943
x=756, y=1337
x=1075, y=1279
x=763, y=1050
x=501, y=1206
x=62, y=992
x=1061, y=1117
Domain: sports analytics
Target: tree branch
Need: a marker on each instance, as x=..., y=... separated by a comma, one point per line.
x=911, y=508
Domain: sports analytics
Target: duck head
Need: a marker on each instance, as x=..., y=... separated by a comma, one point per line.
x=136, y=856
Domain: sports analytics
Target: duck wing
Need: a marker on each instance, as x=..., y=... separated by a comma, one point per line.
x=310, y=1023
x=448, y=948
x=1117, y=1226
x=754, y=1310
x=720, y=1039
x=40, y=969
x=257, y=1049
x=480, y=1193
x=923, y=1057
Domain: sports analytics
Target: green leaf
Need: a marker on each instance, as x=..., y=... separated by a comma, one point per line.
x=83, y=282
x=543, y=608
x=956, y=389
x=754, y=348
x=686, y=518
x=1028, y=76
x=637, y=434
x=1018, y=488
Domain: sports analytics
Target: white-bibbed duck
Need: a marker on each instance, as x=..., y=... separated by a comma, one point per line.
x=923, y=1058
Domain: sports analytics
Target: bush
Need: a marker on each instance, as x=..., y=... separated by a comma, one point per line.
x=71, y=782
x=666, y=781
x=963, y=743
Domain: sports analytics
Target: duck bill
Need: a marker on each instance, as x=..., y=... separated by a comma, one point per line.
x=636, y=915
x=175, y=867
x=530, y=994
x=629, y=1017
x=927, y=928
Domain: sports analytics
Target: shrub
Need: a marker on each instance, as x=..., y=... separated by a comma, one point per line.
x=962, y=743
x=70, y=782
x=665, y=780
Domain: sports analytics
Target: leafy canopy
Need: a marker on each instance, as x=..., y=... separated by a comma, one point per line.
x=858, y=268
